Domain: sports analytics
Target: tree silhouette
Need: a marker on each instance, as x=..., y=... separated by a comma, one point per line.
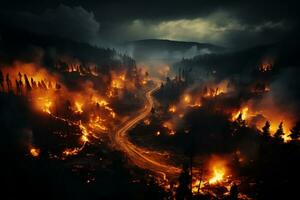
x=183, y=191
x=279, y=133
x=295, y=131
x=20, y=80
x=33, y=83
x=8, y=83
x=19, y=90
x=240, y=122
x=234, y=192
x=266, y=130
x=27, y=84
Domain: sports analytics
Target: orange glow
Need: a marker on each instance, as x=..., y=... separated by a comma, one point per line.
x=187, y=98
x=34, y=152
x=195, y=186
x=118, y=81
x=172, y=132
x=103, y=102
x=243, y=112
x=218, y=171
x=172, y=109
x=196, y=104
x=45, y=93
x=144, y=82
x=96, y=122
x=46, y=106
x=266, y=65
x=78, y=107
x=169, y=126
x=35, y=82
x=274, y=123
x=218, y=89
x=100, y=101
x=268, y=111
x=147, y=122
x=85, y=133
x=71, y=152
x=217, y=176
x=117, y=84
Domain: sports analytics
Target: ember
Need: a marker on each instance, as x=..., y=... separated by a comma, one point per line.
x=34, y=152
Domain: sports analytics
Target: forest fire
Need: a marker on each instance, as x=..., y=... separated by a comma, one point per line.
x=102, y=100
x=214, y=176
x=43, y=90
x=213, y=90
x=258, y=119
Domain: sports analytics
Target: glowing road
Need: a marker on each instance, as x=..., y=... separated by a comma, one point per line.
x=136, y=154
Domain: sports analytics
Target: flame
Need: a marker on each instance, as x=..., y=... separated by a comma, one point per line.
x=218, y=170
x=257, y=116
x=35, y=152
x=96, y=122
x=195, y=185
x=243, y=112
x=144, y=82
x=274, y=123
x=71, y=152
x=187, y=98
x=169, y=126
x=172, y=109
x=218, y=176
x=266, y=65
x=118, y=81
x=196, y=104
x=218, y=89
x=78, y=107
x=47, y=106
x=147, y=121
x=85, y=133
x=46, y=93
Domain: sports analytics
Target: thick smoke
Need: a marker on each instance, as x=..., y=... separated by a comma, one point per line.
x=74, y=23
x=286, y=90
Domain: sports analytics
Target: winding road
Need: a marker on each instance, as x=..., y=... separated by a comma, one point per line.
x=136, y=154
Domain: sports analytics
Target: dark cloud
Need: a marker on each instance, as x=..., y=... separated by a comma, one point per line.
x=74, y=23
x=233, y=23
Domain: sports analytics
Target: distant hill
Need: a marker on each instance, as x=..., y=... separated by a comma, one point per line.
x=281, y=54
x=168, y=49
x=21, y=45
x=171, y=45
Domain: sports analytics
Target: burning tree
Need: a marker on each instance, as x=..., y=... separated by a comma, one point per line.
x=279, y=133
x=266, y=130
